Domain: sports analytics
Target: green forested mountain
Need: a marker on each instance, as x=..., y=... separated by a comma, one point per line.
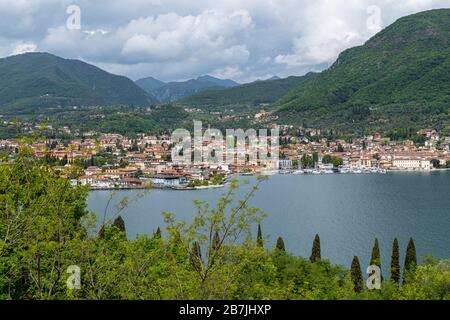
x=42, y=79
x=399, y=78
x=252, y=94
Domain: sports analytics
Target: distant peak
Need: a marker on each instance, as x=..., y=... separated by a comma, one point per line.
x=150, y=79
x=207, y=77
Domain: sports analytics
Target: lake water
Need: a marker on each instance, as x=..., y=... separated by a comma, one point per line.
x=348, y=211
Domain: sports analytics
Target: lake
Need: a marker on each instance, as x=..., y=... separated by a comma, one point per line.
x=348, y=211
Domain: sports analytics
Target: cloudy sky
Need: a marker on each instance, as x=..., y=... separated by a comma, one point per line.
x=175, y=40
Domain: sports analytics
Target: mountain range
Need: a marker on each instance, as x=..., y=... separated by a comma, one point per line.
x=250, y=94
x=398, y=80
x=42, y=79
x=173, y=91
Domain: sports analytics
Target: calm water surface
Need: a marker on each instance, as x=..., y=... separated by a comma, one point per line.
x=347, y=210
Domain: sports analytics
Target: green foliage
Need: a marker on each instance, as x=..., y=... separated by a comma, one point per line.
x=259, y=238
x=429, y=282
x=40, y=214
x=395, y=262
x=435, y=163
x=356, y=275
x=316, y=252
x=196, y=257
x=375, y=259
x=119, y=223
x=44, y=229
x=280, y=244
x=336, y=161
x=307, y=161
x=158, y=233
x=410, y=260
x=122, y=119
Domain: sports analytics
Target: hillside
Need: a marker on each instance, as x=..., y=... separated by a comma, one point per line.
x=251, y=94
x=42, y=79
x=174, y=91
x=150, y=84
x=399, y=78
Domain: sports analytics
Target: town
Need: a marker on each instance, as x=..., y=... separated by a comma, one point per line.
x=112, y=161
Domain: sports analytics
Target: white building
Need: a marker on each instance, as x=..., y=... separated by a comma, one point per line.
x=411, y=163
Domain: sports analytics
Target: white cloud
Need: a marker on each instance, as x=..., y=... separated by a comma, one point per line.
x=24, y=48
x=171, y=36
x=175, y=39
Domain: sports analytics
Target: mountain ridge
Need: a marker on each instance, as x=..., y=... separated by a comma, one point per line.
x=249, y=94
x=43, y=79
x=175, y=90
x=399, y=77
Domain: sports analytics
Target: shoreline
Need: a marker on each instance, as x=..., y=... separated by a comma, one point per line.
x=198, y=188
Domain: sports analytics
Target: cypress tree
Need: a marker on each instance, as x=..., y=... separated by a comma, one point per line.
x=375, y=260
x=259, y=238
x=157, y=234
x=280, y=245
x=395, y=262
x=410, y=260
x=196, y=257
x=315, y=252
x=119, y=224
x=356, y=275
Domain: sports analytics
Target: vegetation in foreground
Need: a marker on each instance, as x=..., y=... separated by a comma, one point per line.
x=45, y=228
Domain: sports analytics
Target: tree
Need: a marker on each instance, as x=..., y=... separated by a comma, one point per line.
x=356, y=275
x=315, y=157
x=119, y=223
x=157, y=234
x=259, y=238
x=280, y=245
x=40, y=216
x=65, y=160
x=436, y=163
x=307, y=161
x=315, y=252
x=410, y=260
x=375, y=259
x=395, y=262
x=231, y=218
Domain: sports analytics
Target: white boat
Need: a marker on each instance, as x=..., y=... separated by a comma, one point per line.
x=297, y=172
x=316, y=172
x=344, y=170
x=269, y=172
x=357, y=171
x=328, y=171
